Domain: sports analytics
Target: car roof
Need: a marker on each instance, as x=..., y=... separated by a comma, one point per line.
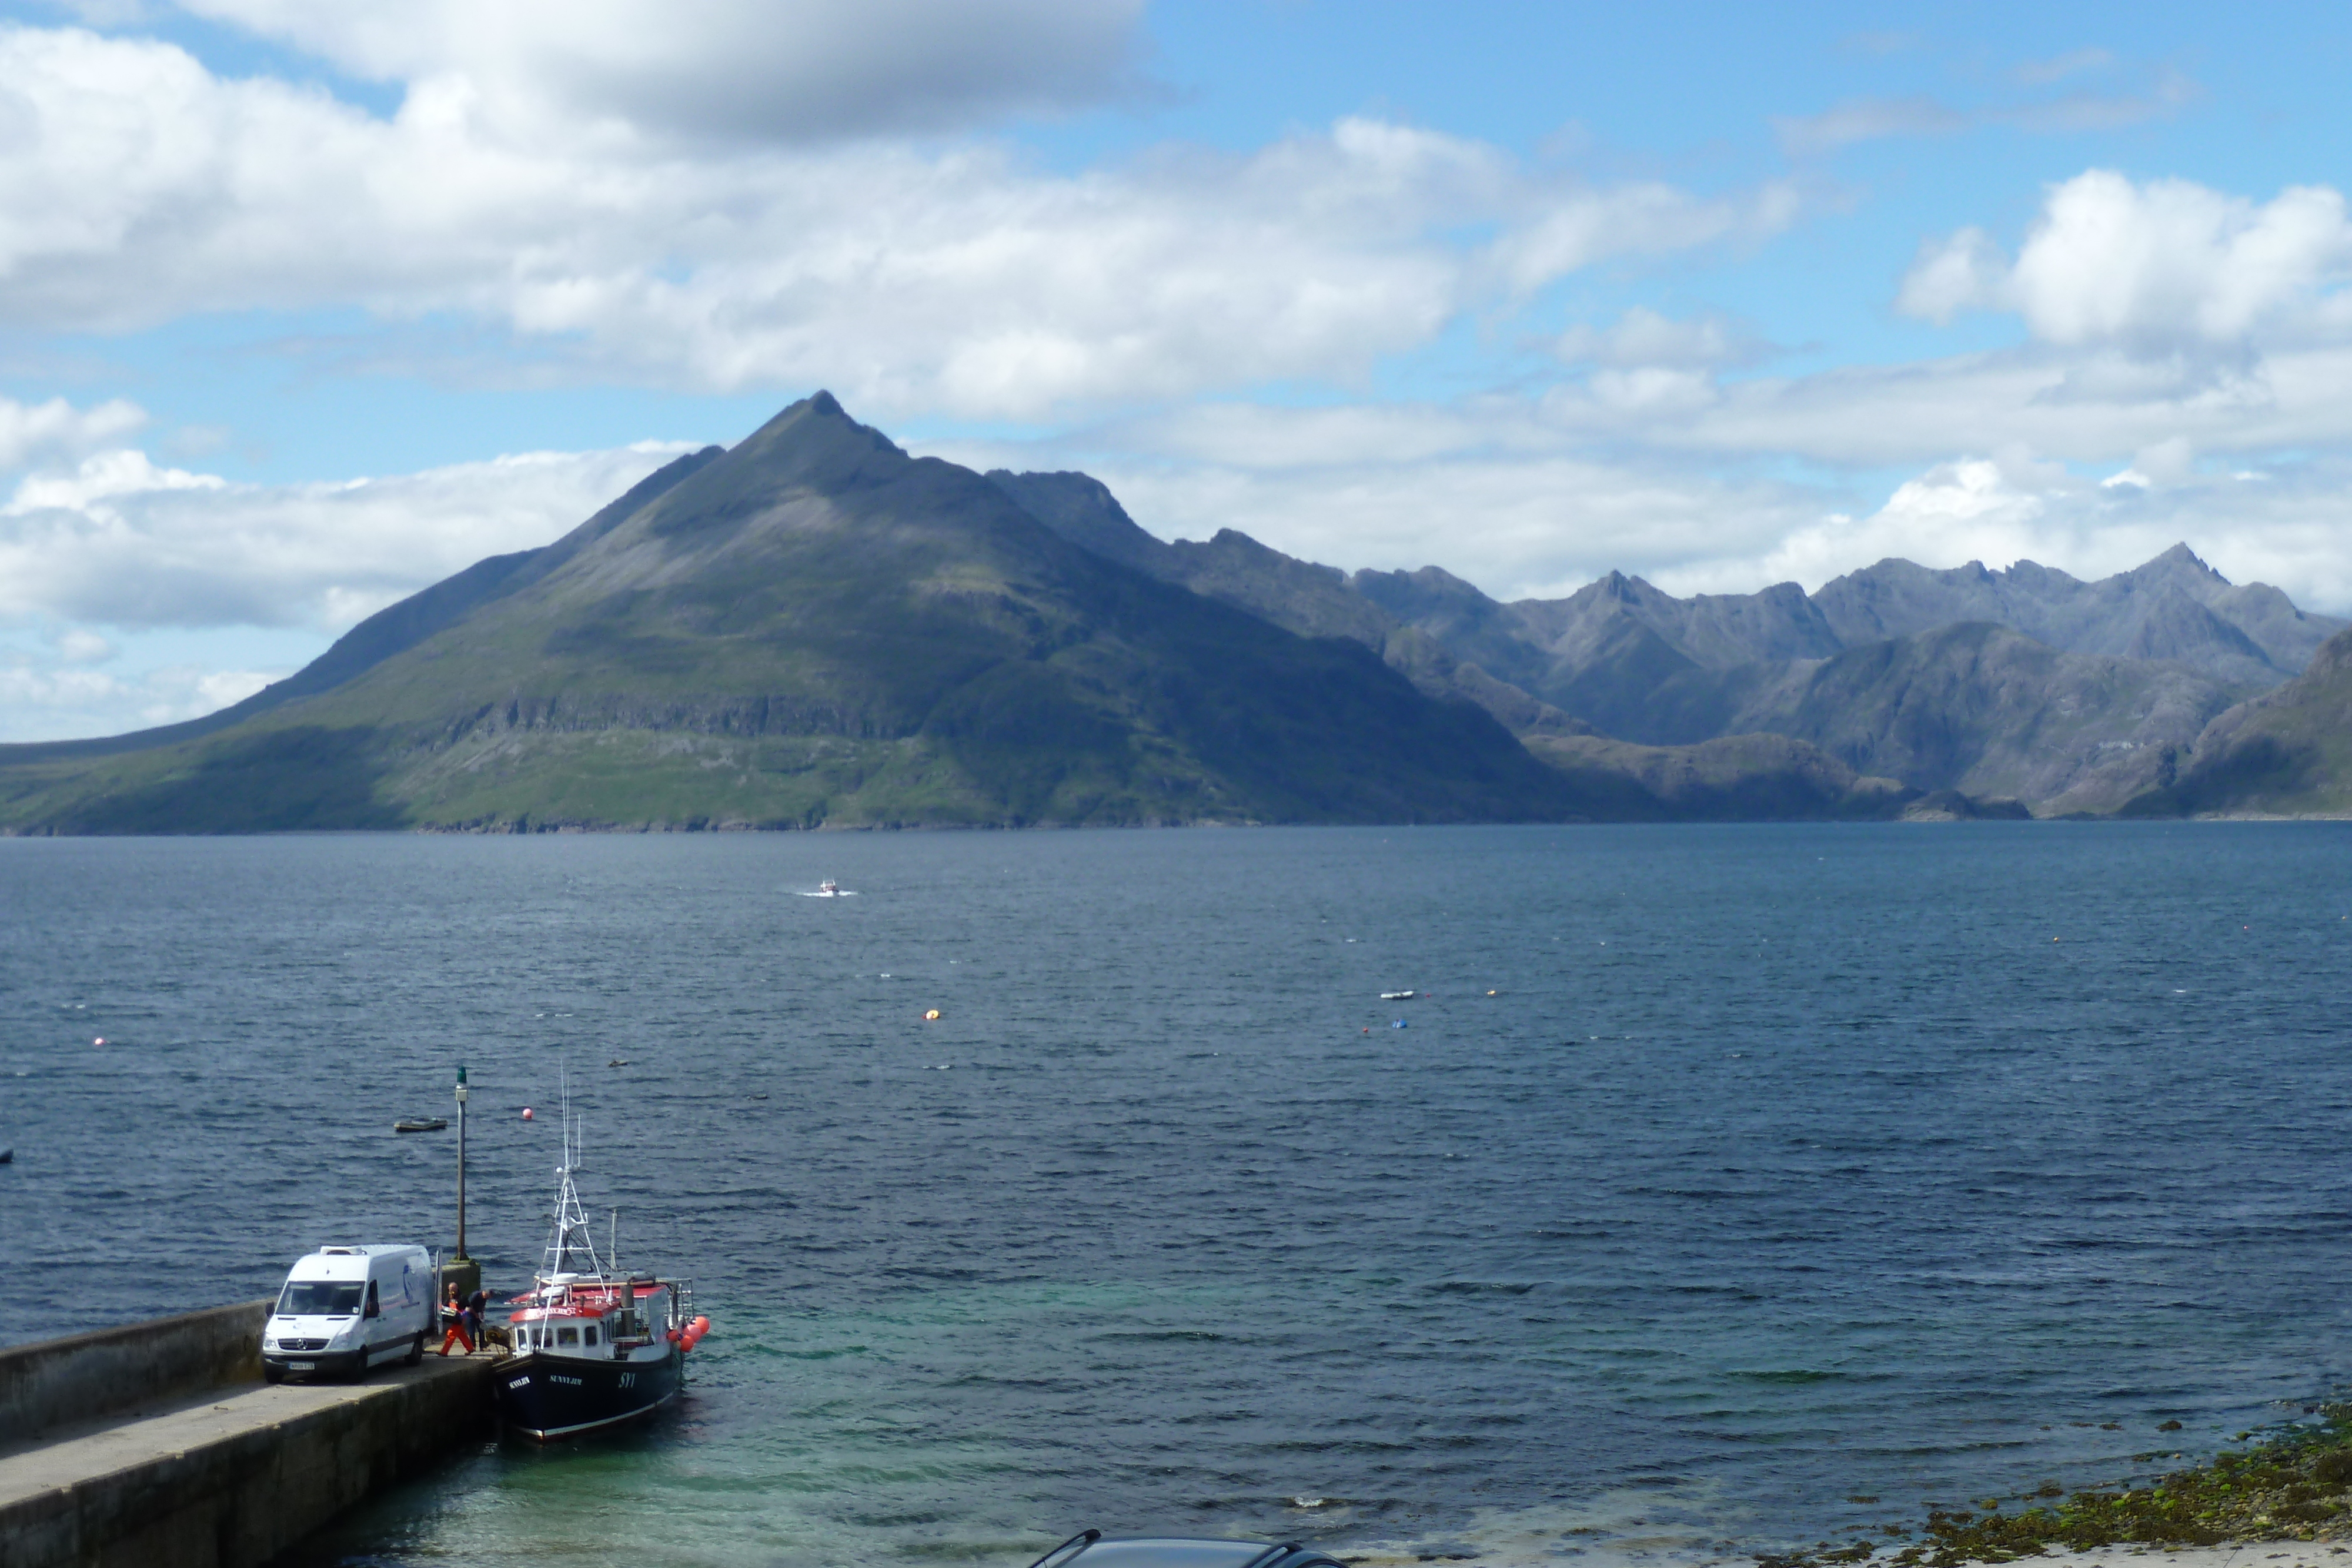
x=1179, y=1551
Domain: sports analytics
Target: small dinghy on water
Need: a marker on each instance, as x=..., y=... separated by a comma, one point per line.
x=594, y=1345
x=420, y=1123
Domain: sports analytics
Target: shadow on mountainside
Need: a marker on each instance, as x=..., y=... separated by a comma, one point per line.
x=307, y=777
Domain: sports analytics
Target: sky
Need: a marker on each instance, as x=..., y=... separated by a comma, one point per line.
x=304, y=307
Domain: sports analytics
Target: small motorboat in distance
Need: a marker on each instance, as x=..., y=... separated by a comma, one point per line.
x=1396, y=996
x=594, y=1345
x=829, y=888
x=420, y=1123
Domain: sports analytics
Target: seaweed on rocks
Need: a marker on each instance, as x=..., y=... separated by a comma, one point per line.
x=2294, y=1483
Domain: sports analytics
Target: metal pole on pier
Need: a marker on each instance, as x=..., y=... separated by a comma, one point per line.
x=461, y=1163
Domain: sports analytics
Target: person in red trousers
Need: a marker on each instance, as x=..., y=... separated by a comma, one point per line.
x=456, y=1314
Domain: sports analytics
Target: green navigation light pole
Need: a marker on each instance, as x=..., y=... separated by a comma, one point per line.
x=461, y=1164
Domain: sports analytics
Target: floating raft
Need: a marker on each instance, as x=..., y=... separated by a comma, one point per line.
x=420, y=1123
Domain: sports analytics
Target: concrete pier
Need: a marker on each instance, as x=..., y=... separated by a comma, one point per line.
x=222, y=1476
x=113, y=1370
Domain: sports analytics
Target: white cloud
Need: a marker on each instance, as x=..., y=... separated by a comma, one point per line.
x=1525, y=498
x=82, y=646
x=24, y=685
x=30, y=432
x=2159, y=266
x=187, y=691
x=1865, y=119
x=2163, y=94
x=119, y=543
x=2058, y=68
x=1965, y=271
x=727, y=68
x=90, y=488
x=2289, y=534
x=1643, y=338
x=136, y=187
x=42, y=699
x=1655, y=390
x=1485, y=491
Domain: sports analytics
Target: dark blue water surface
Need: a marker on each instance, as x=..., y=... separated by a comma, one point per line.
x=1729, y=1173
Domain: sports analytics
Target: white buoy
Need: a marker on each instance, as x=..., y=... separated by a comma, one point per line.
x=525, y=1114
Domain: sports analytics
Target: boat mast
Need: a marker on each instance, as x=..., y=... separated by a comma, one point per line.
x=571, y=1236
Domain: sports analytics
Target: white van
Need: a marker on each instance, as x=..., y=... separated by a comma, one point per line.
x=347, y=1308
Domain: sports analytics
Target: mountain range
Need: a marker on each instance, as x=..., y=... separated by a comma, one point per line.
x=814, y=628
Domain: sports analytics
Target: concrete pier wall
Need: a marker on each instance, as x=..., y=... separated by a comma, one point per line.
x=89, y=1376
x=235, y=1483
x=158, y=1446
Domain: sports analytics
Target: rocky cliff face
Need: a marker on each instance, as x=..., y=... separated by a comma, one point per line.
x=2174, y=607
x=2025, y=684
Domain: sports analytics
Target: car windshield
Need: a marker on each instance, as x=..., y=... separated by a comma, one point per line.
x=319, y=1299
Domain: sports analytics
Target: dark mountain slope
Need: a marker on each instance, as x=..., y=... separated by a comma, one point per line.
x=1992, y=713
x=1735, y=779
x=1743, y=778
x=2285, y=753
x=816, y=628
x=1298, y=596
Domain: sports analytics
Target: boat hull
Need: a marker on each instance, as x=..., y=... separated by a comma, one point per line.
x=550, y=1396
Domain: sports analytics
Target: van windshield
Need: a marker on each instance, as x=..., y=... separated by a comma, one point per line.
x=319, y=1299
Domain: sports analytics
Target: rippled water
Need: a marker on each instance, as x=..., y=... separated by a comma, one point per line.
x=1783, y=1165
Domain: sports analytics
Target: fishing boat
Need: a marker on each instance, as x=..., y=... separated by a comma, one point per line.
x=594, y=1345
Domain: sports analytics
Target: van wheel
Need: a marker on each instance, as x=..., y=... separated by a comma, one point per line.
x=417, y=1352
x=272, y=1373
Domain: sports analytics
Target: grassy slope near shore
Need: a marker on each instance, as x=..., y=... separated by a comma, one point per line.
x=2292, y=1484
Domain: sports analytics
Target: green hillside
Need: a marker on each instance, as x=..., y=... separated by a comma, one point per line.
x=813, y=628
x=2285, y=753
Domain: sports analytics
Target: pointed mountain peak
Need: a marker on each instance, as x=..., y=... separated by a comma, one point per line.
x=817, y=416
x=2178, y=564
x=814, y=445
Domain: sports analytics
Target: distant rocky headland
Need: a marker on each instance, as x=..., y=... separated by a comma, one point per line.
x=814, y=629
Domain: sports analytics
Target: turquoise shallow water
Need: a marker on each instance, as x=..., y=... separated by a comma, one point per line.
x=1787, y=1165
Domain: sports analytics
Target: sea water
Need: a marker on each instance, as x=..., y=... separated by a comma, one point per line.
x=1716, y=1180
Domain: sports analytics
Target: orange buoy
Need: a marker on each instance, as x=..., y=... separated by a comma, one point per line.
x=693, y=1332
x=525, y=1113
